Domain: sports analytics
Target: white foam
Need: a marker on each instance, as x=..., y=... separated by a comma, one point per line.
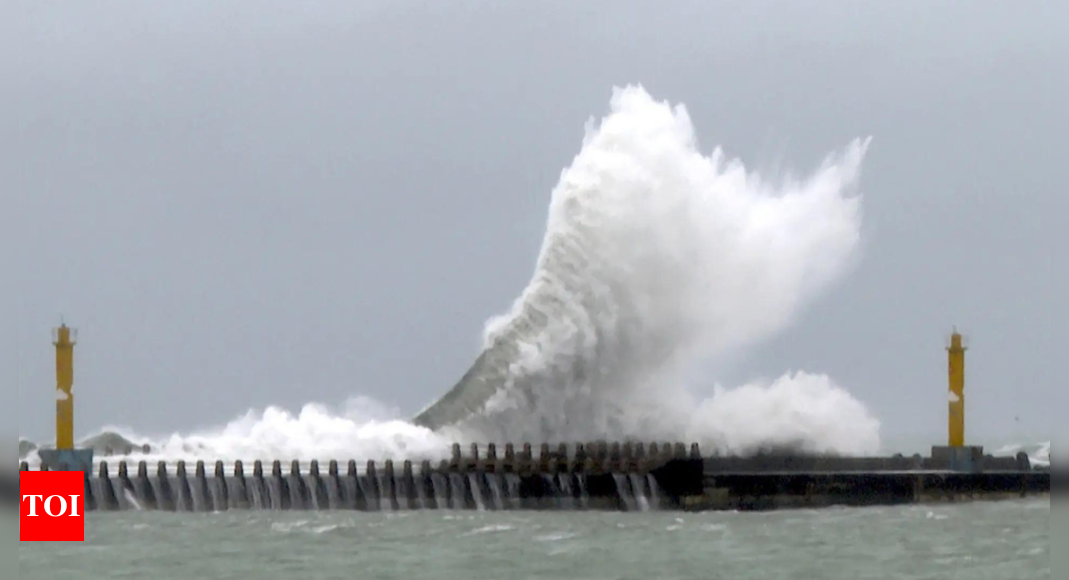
x=656, y=257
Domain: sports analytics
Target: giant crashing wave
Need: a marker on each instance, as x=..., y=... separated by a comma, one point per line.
x=656, y=257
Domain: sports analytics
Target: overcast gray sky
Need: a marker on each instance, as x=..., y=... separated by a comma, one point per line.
x=271, y=202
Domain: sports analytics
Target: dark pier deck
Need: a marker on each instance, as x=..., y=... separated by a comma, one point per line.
x=596, y=476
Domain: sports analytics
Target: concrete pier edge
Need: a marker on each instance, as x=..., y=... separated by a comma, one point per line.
x=599, y=475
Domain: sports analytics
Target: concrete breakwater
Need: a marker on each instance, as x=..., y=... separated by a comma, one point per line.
x=597, y=476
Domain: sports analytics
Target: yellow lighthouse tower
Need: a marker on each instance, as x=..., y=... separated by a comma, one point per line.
x=64, y=384
x=956, y=395
x=65, y=457
x=956, y=455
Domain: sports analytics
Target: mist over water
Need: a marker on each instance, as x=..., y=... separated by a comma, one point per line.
x=656, y=258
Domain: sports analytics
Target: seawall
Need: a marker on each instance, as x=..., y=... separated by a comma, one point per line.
x=595, y=476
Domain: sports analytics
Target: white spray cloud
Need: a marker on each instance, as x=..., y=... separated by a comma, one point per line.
x=655, y=256
x=798, y=411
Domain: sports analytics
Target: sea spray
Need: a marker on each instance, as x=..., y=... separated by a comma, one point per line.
x=657, y=256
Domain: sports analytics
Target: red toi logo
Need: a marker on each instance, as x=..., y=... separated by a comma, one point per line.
x=53, y=506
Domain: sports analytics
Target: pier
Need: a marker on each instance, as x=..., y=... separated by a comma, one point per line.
x=595, y=476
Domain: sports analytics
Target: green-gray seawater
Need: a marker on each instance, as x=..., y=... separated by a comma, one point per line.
x=997, y=541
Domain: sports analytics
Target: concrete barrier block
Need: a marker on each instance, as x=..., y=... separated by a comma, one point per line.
x=580, y=453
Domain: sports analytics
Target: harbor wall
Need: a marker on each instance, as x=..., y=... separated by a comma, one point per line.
x=594, y=476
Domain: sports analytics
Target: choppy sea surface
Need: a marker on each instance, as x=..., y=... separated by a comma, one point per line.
x=997, y=541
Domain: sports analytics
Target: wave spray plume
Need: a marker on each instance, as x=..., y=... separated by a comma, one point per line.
x=655, y=257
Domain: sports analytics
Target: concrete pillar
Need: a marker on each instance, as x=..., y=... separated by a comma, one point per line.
x=299, y=499
x=562, y=461
x=352, y=487
x=180, y=474
x=681, y=451
x=87, y=487
x=165, y=501
x=278, y=489
x=408, y=485
x=24, y=466
x=372, y=488
x=580, y=453
x=491, y=452
x=389, y=493
x=124, y=478
x=317, y=490
x=260, y=485
x=510, y=454
x=221, y=487
x=427, y=483
x=695, y=452
x=109, y=501
x=145, y=485
x=238, y=493
x=456, y=455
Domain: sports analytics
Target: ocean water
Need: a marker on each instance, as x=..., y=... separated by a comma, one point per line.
x=997, y=541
